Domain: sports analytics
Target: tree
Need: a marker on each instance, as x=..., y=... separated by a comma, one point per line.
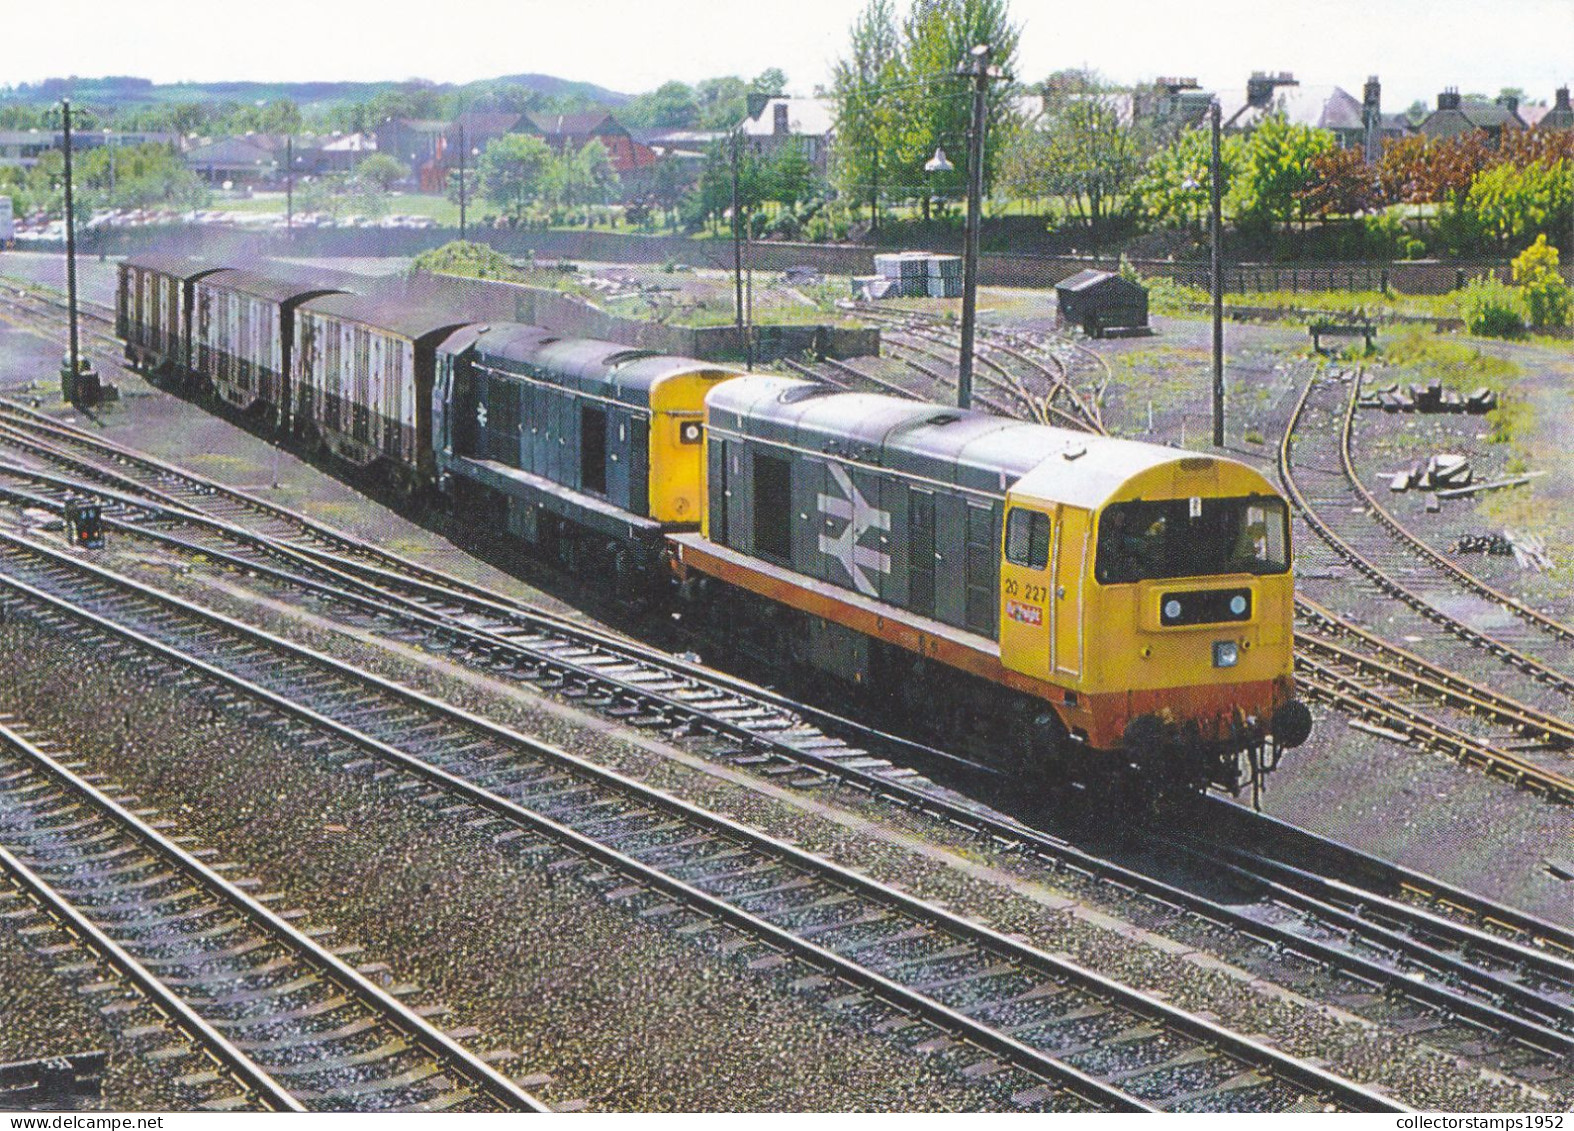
x=789, y=178
x=383, y=170
x=864, y=123
x=1343, y=184
x=281, y=116
x=1507, y=203
x=1091, y=151
x=513, y=171
x=585, y=176
x=1277, y=168
x=1174, y=188
x=669, y=180
x=670, y=106
x=772, y=80
x=722, y=102
x=1547, y=296
x=933, y=103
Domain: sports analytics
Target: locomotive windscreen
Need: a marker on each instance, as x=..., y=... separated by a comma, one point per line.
x=1199, y=537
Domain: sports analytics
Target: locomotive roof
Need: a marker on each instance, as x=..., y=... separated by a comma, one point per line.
x=512, y=341
x=270, y=286
x=611, y=369
x=976, y=450
x=177, y=266
x=394, y=313
x=461, y=339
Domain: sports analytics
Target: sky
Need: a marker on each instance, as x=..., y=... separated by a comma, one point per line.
x=1417, y=47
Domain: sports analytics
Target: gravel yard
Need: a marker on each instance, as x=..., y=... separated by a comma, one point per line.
x=1060, y=914
x=617, y=1012
x=50, y=1013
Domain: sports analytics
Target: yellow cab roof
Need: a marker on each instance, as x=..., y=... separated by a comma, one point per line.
x=1088, y=471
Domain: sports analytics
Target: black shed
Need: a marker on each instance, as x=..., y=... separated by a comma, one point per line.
x=1102, y=300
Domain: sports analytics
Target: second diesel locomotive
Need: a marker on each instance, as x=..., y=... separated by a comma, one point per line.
x=1093, y=606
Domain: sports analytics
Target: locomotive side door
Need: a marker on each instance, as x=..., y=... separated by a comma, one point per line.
x=1025, y=592
x=1071, y=553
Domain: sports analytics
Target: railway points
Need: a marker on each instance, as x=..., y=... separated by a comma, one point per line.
x=594, y=694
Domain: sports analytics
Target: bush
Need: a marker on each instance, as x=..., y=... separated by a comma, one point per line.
x=783, y=226
x=1412, y=248
x=1383, y=234
x=1492, y=309
x=1547, y=296
x=462, y=257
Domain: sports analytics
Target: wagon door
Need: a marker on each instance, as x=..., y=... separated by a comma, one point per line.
x=1071, y=551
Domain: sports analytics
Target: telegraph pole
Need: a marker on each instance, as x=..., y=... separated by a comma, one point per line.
x=69, y=388
x=461, y=180
x=977, y=65
x=289, y=184
x=737, y=259
x=1215, y=256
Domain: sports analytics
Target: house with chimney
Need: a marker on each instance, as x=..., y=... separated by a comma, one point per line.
x=1456, y=115
x=775, y=120
x=1561, y=116
x=1356, y=123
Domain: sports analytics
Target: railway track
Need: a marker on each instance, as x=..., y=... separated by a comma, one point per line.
x=439, y=634
x=1035, y=363
x=1547, y=624
x=451, y=604
x=291, y=1025
x=1426, y=603
x=1089, y=1041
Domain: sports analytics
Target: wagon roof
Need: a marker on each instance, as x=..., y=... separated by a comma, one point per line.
x=512, y=341
x=398, y=314
x=178, y=266
x=269, y=286
x=461, y=339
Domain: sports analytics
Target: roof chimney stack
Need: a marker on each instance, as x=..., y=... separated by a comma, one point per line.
x=1561, y=102
x=1372, y=121
x=1448, y=99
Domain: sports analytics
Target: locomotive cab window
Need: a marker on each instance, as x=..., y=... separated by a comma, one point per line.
x=1027, y=538
x=1168, y=538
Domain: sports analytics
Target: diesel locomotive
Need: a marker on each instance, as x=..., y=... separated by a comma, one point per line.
x=1090, y=607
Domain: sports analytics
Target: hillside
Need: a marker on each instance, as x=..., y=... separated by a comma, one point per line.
x=124, y=90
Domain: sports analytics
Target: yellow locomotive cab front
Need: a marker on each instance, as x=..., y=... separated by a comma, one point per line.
x=1153, y=600
x=677, y=444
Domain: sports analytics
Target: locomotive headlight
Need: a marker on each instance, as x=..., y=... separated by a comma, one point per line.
x=1226, y=653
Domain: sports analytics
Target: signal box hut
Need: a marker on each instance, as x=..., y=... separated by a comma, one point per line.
x=1102, y=300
